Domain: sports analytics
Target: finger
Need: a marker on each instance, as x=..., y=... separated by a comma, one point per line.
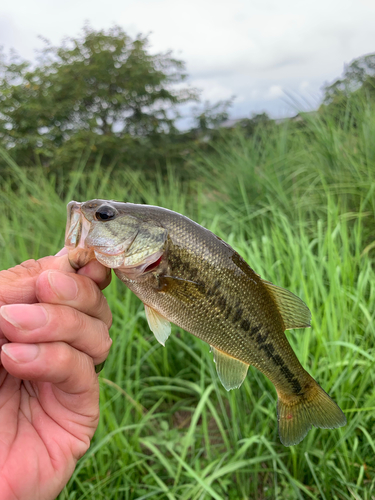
x=2, y=342
x=98, y=273
x=63, y=251
x=17, y=285
x=35, y=323
x=94, y=270
x=56, y=362
x=77, y=291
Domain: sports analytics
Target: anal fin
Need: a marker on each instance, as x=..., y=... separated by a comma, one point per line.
x=231, y=371
x=159, y=325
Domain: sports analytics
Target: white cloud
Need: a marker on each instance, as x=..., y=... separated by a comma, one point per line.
x=275, y=91
x=261, y=51
x=211, y=90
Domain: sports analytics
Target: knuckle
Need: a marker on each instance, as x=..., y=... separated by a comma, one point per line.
x=33, y=267
x=98, y=303
x=10, y=289
x=102, y=346
x=92, y=287
x=27, y=269
x=78, y=319
x=107, y=315
x=91, y=292
x=63, y=356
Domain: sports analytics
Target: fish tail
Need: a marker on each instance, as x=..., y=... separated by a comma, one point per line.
x=298, y=412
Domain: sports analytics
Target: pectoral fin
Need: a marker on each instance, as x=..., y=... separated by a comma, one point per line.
x=159, y=325
x=231, y=371
x=182, y=289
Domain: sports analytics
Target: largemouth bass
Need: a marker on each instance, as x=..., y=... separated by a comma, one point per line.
x=186, y=275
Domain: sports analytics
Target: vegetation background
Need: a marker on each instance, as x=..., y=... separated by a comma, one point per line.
x=295, y=199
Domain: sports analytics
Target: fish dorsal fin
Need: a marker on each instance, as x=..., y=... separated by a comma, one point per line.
x=231, y=371
x=159, y=326
x=293, y=310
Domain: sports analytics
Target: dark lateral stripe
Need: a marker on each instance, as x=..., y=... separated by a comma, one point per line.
x=229, y=310
x=245, y=325
x=261, y=338
x=268, y=349
x=297, y=388
x=221, y=303
x=255, y=329
x=277, y=359
x=237, y=315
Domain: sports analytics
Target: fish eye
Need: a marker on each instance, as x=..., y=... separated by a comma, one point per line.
x=105, y=213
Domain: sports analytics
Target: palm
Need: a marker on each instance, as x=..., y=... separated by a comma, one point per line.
x=42, y=418
x=53, y=330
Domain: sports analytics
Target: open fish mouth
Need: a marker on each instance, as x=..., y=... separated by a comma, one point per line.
x=77, y=239
x=77, y=229
x=73, y=229
x=123, y=246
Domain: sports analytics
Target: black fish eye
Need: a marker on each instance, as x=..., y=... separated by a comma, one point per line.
x=105, y=213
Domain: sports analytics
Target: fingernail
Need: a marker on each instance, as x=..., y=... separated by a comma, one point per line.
x=24, y=316
x=64, y=286
x=21, y=353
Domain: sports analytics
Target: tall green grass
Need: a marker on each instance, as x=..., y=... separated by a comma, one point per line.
x=299, y=207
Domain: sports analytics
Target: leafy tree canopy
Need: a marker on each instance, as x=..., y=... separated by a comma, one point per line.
x=102, y=88
x=359, y=74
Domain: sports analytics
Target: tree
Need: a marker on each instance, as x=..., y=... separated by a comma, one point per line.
x=347, y=97
x=102, y=89
x=358, y=74
x=210, y=116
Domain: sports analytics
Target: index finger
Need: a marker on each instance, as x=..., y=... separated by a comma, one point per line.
x=73, y=290
x=17, y=284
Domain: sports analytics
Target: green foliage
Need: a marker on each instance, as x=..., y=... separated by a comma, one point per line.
x=359, y=73
x=211, y=117
x=103, y=91
x=298, y=203
x=345, y=98
x=251, y=126
x=294, y=164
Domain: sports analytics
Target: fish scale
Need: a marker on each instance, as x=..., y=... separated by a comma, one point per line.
x=223, y=329
x=186, y=275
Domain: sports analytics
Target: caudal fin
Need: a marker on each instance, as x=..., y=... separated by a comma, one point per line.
x=298, y=413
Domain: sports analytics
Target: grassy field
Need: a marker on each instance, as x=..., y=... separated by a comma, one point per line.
x=299, y=206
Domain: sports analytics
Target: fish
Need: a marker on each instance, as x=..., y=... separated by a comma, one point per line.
x=186, y=275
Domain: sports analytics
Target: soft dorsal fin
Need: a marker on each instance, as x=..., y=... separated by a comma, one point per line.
x=231, y=371
x=159, y=326
x=293, y=310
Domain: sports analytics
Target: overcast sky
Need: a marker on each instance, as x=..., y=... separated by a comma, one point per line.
x=273, y=55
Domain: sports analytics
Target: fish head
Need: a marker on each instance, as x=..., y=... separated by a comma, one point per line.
x=106, y=231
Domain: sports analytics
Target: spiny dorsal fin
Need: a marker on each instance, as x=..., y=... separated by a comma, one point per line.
x=231, y=371
x=159, y=326
x=293, y=310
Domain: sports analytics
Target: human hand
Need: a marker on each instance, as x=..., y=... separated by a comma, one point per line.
x=52, y=333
